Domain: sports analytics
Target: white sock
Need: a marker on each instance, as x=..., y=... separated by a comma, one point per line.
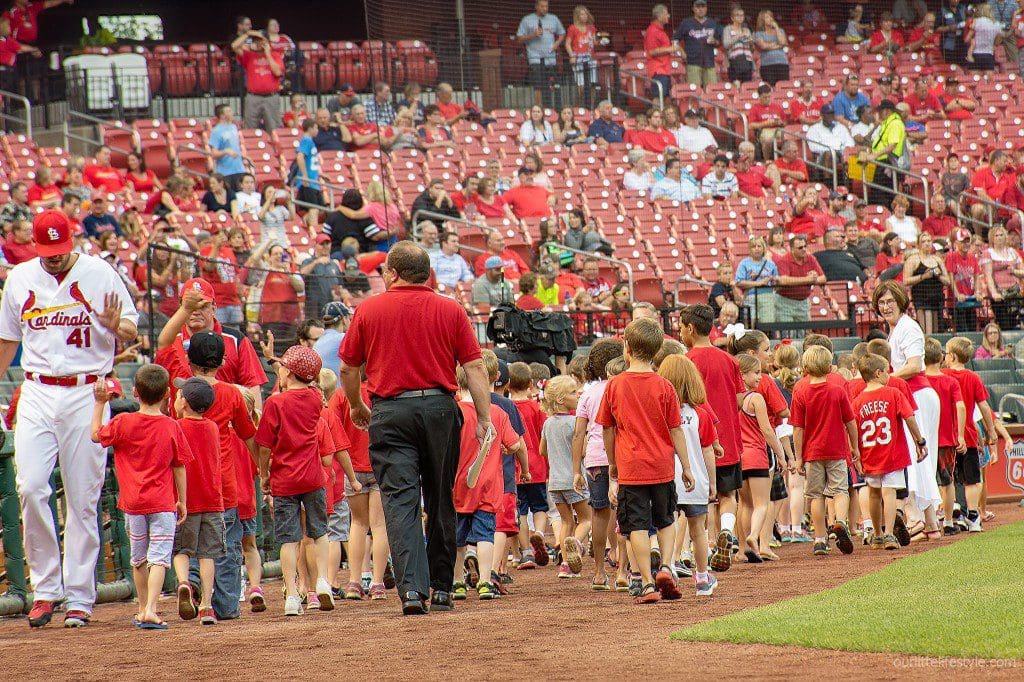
x=785, y=529
x=728, y=521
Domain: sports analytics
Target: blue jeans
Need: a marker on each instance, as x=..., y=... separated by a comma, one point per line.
x=230, y=315
x=227, y=576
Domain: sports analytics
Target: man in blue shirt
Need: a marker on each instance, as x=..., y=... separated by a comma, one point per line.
x=542, y=34
x=449, y=266
x=699, y=35
x=226, y=148
x=99, y=220
x=675, y=187
x=848, y=100
x=307, y=182
x=951, y=25
x=605, y=129
x=336, y=316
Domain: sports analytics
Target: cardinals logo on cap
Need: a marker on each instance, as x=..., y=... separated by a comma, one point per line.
x=53, y=234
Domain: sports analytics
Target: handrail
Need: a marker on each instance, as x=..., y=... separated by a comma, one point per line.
x=448, y=219
x=806, y=141
x=895, y=173
x=68, y=135
x=729, y=111
x=634, y=76
x=1009, y=396
x=992, y=205
x=598, y=256
x=690, y=279
x=28, y=111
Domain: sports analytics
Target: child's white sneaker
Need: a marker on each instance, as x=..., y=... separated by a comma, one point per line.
x=293, y=606
x=324, y=594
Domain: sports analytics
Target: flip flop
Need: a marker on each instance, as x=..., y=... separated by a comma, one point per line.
x=162, y=625
x=753, y=557
x=136, y=622
x=648, y=595
x=600, y=586
x=988, y=516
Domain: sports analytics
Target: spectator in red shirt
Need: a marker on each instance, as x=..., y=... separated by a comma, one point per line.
x=528, y=293
x=660, y=49
x=632, y=136
x=598, y=287
x=866, y=224
x=360, y=134
x=102, y=175
x=10, y=47
x=264, y=68
x=766, y=120
x=24, y=18
x=924, y=38
x=886, y=40
x=466, y=194
x=791, y=168
x=808, y=218
x=965, y=270
x=222, y=273
x=798, y=272
x=44, y=193
x=656, y=138
x=527, y=200
x=297, y=112
x=956, y=106
x=924, y=106
x=451, y=111
x=991, y=183
x=939, y=223
x=18, y=246
x=512, y=263
x=752, y=179
x=805, y=107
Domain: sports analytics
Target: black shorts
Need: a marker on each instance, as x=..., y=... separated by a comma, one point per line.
x=310, y=196
x=729, y=478
x=642, y=507
x=741, y=70
x=755, y=473
x=904, y=492
x=779, y=491
x=967, y=469
x=532, y=497
x=944, y=467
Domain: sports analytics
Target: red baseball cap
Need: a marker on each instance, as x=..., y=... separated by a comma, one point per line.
x=962, y=235
x=51, y=231
x=323, y=239
x=114, y=387
x=200, y=285
x=303, y=362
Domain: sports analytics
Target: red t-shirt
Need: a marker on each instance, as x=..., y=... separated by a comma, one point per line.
x=232, y=418
x=245, y=478
x=922, y=106
x=881, y=438
x=203, y=471
x=528, y=202
x=655, y=37
x=878, y=39
x=513, y=264
x=656, y=140
x=799, y=108
x=366, y=128
x=788, y=266
x=358, y=439
x=241, y=365
x=436, y=326
x=333, y=431
x=773, y=398
x=25, y=21
x=495, y=209
x=939, y=226
x=290, y=428
x=950, y=394
x=18, y=253
x=146, y=448
x=643, y=408
x=529, y=302
x=985, y=179
x=721, y=373
x=224, y=277
x=753, y=182
x=9, y=50
x=533, y=419
x=931, y=43
x=580, y=41
x=964, y=270
x=973, y=392
x=822, y=411
x=795, y=166
x=103, y=177
x=259, y=79
x=43, y=193
x=145, y=184
x=772, y=113
x=490, y=487
x=449, y=111
x=809, y=222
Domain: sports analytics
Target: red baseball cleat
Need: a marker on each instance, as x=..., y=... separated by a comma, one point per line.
x=41, y=613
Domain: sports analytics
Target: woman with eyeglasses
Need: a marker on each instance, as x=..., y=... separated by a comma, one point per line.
x=992, y=344
x=906, y=342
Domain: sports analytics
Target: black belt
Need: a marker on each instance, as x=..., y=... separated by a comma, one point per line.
x=423, y=393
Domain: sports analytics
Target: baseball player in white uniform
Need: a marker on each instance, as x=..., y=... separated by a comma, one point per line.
x=67, y=311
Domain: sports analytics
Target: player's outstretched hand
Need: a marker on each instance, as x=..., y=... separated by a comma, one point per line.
x=100, y=392
x=110, y=318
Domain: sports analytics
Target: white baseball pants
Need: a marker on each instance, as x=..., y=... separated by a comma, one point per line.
x=53, y=426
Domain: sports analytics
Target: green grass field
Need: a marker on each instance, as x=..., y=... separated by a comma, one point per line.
x=965, y=600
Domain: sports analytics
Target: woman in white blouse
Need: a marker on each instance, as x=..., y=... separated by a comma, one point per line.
x=536, y=131
x=639, y=177
x=906, y=227
x=906, y=343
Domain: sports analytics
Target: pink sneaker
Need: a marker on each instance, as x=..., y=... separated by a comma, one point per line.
x=257, y=602
x=378, y=592
x=312, y=601
x=565, y=572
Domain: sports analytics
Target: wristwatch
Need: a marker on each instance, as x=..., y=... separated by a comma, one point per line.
x=922, y=442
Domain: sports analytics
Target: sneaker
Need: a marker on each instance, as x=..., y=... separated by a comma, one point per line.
x=293, y=606
x=665, y=583
x=801, y=536
x=950, y=529
x=540, y=550
x=497, y=585
x=485, y=591
x=354, y=591
x=472, y=564
x=877, y=542
x=787, y=536
x=312, y=601
x=721, y=557
x=206, y=617
x=734, y=545
x=564, y=571
x=378, y=592
x=820, y=548
x=324, y=595
x=705, y=588
x=900, y=530
x=655, y=559
x=257, y=602
x=573, y=555
x=76, y=618
x=682, y=570
x=505, y=579
x=527, y=563
x=688, y=559
x=974, y=522
x=389, y=576
x=843, y=540
x=890, y=542
x=186, y=606
x=459, y=591
x=365, y=582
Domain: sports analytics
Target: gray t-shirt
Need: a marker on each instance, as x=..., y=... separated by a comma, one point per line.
x=771, y=57
x=541, y=49
x=557, y=432
x=492, y=293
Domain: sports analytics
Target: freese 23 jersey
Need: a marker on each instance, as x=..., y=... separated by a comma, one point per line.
x=57, y=323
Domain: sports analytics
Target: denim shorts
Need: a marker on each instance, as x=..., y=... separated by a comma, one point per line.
x=287, y=518
x=692, y=510
x=151, y=537
x=597, y=483
x=249, y=527
x=366, y=479
x=532, y=497
x=339, y=522
x=474, y=528
x=567, y=496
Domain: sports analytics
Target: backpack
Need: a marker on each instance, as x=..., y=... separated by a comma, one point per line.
x=526, y=330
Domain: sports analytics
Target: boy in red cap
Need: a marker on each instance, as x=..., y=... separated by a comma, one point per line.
x=294, y=448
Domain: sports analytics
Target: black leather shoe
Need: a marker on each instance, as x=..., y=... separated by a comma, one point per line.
x=414, y=604
x=442, y=600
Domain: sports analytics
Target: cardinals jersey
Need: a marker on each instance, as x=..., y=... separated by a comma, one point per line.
x=57, y=322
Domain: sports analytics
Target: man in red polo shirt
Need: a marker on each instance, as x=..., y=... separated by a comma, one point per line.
x=451, y=111
x=751, y=179
x=939, y=223
x=527, y=200
x=805, y=107
x=798, y=272
x=766, y=119
x=102, y=175
x=415, y=429
x=264, y=68
x=991, y=182
x=19, y=246
x=24, y=17
x=924, y=105
x=791, y=167
x=359, y=134
x=514, y=265
x=222, y=274
x=660, y=49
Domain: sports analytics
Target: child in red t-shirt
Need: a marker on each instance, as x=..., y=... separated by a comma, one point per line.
x=642, y=433
x=150, y=452
x=292, y=455
x=532, y=496
x=821, y=413
x=201, y=535
x=881, y=411
x=477, y=505
x=952, y=423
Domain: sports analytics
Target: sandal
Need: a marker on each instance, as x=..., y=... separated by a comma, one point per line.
x=600, y=585
x=769, y=556
x=988, y=516
x=916, y=528
x=648, y=595
x=622, y=584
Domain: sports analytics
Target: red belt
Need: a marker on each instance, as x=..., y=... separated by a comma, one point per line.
x=76, y=380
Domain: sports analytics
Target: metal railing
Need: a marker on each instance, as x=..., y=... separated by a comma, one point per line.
x=727, y=112
x=599, y=256
x=896, y=173
x=813, y=163
x=993, y=209
x=656, y=86
x=433, y=216
x=27, y=121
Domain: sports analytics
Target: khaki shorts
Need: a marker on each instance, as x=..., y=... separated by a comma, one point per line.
x=826, y=478
x=702, y=76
